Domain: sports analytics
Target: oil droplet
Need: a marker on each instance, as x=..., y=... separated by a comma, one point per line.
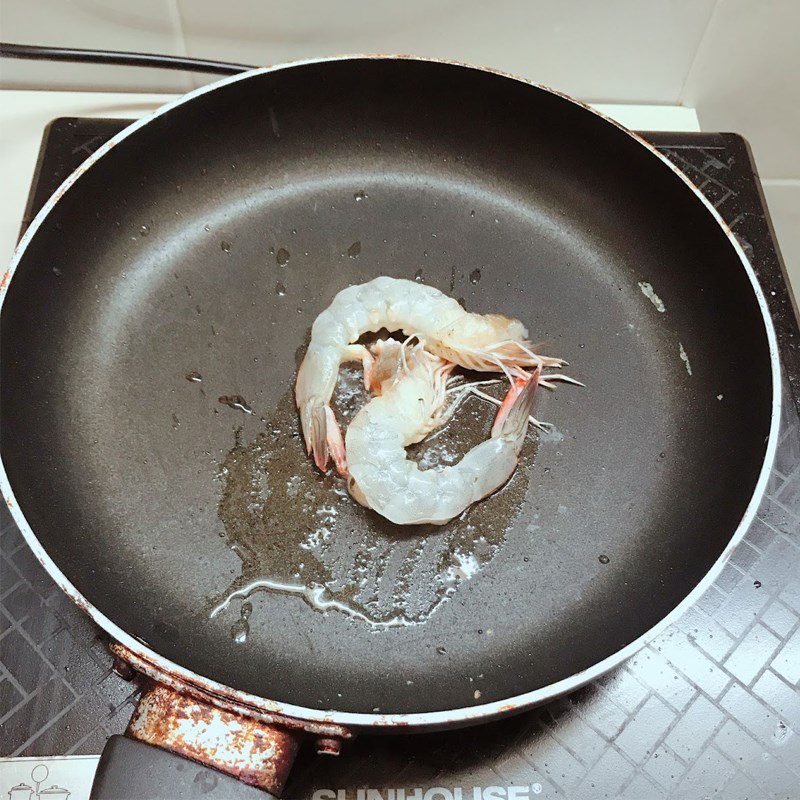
x=280, y=289
x=144, y=230
x=603, y=559
x=359, y=196
x=226, y=246
x=472, y=213
x=354, y=250
x=418, y=276
x=175, y=421
x=757, y=584
x=194, y=376
x=206, y=227
x=57, y=272
x=441, y=651
x=240, y=630
x=282, y=257
x=474, y=276
x=236, y=401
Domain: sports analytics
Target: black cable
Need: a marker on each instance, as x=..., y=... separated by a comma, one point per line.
x=43, y=53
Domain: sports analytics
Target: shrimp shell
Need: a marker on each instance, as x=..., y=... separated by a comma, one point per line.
x=485, y=342
x=410, y=405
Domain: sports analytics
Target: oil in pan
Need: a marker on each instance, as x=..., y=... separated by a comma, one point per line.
x=297, y=531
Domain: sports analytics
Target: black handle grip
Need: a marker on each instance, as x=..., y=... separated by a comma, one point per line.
x=131, y=770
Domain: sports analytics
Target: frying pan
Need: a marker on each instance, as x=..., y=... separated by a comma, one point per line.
x=152, y=322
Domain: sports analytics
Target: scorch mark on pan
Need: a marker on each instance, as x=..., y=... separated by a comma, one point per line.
x=273, y=121
x=649, y=293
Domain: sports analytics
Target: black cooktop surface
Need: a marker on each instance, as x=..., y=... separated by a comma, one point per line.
x=710, y=708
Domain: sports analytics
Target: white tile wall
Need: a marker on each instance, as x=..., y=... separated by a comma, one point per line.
x=620, y=51
x=783, y=198
x=144, y=25
x=746, y=78
x=736, y=61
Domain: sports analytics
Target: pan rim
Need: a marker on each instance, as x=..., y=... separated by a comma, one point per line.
x=250, y=703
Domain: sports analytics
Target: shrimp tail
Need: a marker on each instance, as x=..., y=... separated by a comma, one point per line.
x=335, y=443
x=512, y=419
x=314, y=423
x=323, y=436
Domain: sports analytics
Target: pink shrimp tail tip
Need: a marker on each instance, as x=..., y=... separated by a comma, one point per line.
x=336, y=443
x=512, y=416
x=323, y=436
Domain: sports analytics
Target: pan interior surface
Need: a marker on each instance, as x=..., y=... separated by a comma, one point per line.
x=188, y=264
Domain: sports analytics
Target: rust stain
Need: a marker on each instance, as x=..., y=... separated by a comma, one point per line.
x=329, y=746
x=233, y=701
x=257, y=753
x=5, y=279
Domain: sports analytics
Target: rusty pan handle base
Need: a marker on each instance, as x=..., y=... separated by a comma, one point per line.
x=257, y=753
x=131, y=770
x=178, y=746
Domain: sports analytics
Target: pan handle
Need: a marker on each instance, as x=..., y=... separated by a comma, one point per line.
x=131, y=770
x=178, y=741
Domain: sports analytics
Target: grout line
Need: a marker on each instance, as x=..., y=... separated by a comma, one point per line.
x=7, y=676
x=177, y=21
x=50, y=723
x=681, y=98
x=75, y=745
x=552, y=730
x=35, y=694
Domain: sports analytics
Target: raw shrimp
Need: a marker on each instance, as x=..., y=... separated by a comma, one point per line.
x=485, y=342
x=410, y=404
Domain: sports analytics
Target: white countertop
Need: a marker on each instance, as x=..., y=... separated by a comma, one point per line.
x=24, y=115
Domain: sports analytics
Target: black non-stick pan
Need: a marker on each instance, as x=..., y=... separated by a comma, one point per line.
x=152, y=324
